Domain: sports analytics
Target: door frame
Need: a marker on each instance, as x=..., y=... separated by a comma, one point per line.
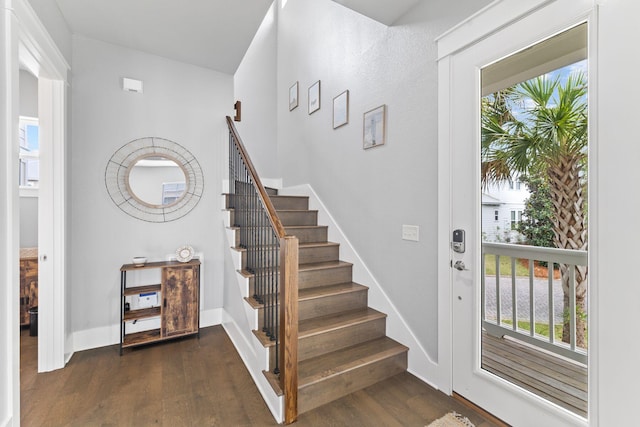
x=496, y=16
x=27, y=43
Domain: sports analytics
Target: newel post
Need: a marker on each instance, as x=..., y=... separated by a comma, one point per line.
x=289, y=326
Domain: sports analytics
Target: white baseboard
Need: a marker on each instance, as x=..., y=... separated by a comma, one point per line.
x=273, y=401
x=110, y=335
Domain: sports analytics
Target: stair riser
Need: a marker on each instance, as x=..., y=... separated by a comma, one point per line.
x=333, y=388
x=308, y=235
x=322, y=277
x=318, y=254
x=326, y=305
x=314, y=278
x=327, y=342
x=298, y=217
x=290, y=202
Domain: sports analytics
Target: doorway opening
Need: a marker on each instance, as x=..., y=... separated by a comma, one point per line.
x=28, y=182
x=534, y=207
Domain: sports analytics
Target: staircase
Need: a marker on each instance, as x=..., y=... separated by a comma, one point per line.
x=342, y=346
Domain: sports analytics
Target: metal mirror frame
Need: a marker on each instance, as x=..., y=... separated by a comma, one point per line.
x=117, y=173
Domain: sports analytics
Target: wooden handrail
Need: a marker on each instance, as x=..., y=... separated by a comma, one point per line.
x=288, y=290
x=273, y=217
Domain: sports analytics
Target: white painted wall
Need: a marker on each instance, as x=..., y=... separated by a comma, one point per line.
x=255, y=85
x=371, y=193
x=183, y=103
x=28, y=94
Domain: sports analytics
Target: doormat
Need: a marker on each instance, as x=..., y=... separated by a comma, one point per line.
x=452, y=419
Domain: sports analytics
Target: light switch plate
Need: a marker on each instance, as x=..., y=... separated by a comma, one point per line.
x=411, y=232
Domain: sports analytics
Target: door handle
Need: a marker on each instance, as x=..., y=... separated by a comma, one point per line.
x=459, y=265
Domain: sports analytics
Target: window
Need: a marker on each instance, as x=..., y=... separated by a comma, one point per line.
x=29, y=152
x=496, y=215
x=171, y=191
x=516, y=217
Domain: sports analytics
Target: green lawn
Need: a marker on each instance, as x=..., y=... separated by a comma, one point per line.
x=505, y=266
x=540, y=328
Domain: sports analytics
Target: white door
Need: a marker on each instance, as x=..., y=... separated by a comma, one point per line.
x=462, y=67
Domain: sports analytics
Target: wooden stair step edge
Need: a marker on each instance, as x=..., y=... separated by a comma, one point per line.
x=326, y=324
x=328, y=377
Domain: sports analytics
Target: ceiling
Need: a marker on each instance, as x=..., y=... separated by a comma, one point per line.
x=209, y=33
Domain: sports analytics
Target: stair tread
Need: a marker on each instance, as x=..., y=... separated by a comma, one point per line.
x=322, y=291
x=317, y=244
x=323, y=265
x=316, y=325
x=316, y=369
x=319, y=292
x=296, y=211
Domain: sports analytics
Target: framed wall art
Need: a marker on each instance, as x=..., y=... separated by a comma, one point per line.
x=314, y=97
x=374, y=127
x=341, y=109
x=293, y=96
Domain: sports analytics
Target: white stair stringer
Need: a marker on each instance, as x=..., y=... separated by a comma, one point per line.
x=239, y=321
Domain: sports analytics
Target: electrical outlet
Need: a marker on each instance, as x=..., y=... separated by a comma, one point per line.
x=411, y=232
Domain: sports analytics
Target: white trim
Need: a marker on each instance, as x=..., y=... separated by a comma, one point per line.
x=44, y=58
x=484, y=23
x=274, y=402
x=38, y=52
x=420, y=363
x=499, y=15
x=445, y=313
x=594, y=219
x=9, y=217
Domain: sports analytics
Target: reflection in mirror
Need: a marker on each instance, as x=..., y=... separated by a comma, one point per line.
x=157, y=180
x=174, y=191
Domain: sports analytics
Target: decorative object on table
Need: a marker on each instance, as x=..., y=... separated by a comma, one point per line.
x=184, y=253
x=374, y=127
x=341, y=109
x=452, y=419
x=293, y=96
x=314, y=97
x=143, y=158
x=139, y=261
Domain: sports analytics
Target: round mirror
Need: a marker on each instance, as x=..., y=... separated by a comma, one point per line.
x=157, y=181
x=154, y=179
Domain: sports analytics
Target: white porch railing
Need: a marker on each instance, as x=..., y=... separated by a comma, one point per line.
x=494, y=312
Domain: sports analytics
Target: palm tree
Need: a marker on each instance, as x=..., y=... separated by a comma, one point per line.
x=539, y=128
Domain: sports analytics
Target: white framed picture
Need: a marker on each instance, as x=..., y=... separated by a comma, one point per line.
x=293, y=96
x=314, y=97
x=374, y=127
x=341, y=109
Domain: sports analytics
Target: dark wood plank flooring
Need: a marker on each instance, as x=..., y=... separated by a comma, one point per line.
x=557, y=379
x=201, y=382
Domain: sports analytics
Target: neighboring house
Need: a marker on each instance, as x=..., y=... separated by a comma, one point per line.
x=502, y=208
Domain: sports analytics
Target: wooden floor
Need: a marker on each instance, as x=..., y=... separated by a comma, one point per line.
x=559, y=380
x=201, y=382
